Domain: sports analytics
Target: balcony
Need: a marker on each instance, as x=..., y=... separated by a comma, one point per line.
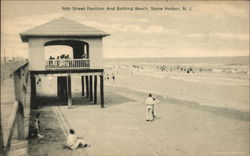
x=60, y=64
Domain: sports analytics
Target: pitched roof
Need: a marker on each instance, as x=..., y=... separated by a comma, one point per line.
x=62, y=27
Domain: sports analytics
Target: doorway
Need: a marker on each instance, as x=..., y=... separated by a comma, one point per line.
x=64, y=91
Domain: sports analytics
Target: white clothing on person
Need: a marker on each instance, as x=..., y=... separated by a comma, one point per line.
x=149, y=108
x=155, y=102
x=73, y=142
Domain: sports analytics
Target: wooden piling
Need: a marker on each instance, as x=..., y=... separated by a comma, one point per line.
x=101, y=91
x=69, y=93
x=91, y=88
x=95, y=89
x=87, y=85
x=83, y=93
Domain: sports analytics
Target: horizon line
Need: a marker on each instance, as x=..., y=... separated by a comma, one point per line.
x=172, y=57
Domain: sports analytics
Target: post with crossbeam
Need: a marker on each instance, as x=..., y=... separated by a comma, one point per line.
x=90, y=88
x=101, y=91
x=95, y=89
x=83, y=93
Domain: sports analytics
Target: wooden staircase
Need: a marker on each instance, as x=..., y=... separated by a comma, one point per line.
x=18, y=147
x=12, y=144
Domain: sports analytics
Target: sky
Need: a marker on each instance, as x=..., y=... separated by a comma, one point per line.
x=210, y=28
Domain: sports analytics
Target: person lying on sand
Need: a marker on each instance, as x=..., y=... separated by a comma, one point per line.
x=74, y=142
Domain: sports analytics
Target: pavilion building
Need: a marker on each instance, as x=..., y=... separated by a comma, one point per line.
x=86, y=59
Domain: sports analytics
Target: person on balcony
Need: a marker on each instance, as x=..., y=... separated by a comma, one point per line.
x=67, y=57
x=62, y=56
x=83, y=56
x=51, y=62
x=51, y=58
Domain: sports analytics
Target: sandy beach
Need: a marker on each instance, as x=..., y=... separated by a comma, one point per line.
x=197, y=117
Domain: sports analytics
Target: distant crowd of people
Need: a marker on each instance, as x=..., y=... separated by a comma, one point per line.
x=111, y=73
x=64, y=61
x=165, y=68
x=64, y=56
x=108, y=76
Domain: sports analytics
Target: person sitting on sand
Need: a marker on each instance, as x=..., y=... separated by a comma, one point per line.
x=149, y=107
x=74, y=142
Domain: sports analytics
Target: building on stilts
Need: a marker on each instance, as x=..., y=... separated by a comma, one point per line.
x=86, y=59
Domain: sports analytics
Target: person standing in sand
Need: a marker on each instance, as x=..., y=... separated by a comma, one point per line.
x=113, y=77
x=37, y=125
x=149, y=107
x=154, y=107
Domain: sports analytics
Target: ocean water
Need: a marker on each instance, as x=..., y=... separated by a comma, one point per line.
x=238, y=64
x=239, y=60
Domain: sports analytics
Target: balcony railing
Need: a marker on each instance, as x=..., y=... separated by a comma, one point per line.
x=67, y=64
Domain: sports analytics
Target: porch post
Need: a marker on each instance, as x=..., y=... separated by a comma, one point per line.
x=90, y=88
x=83, y=86
x=69, y=94
x=87, y=85
x=101, y=91
x=95, y=89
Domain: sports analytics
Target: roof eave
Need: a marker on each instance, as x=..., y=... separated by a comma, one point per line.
x=25, y=37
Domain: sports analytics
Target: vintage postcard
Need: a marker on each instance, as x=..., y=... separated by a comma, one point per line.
x=124, y=78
